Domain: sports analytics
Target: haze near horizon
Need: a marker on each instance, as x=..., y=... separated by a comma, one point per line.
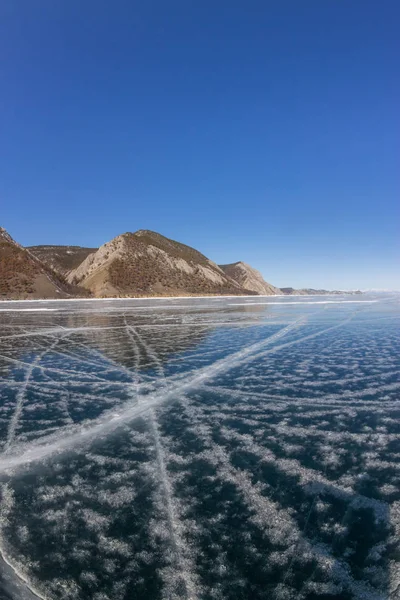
x=251, y=131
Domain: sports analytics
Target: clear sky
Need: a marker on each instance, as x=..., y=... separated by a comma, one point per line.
x=252, y=130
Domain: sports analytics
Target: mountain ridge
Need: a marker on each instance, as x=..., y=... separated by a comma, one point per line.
x=140, y=264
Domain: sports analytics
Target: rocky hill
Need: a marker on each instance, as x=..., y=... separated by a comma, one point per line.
x=249, y=279
x=24, y=276
x=138, y=264
x=146, y=263
x=62, y=259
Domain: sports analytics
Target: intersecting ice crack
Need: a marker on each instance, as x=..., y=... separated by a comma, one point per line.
x=181, y=555
x=181, y=385
x=129, y=412
x=256, y=416
x=21, y=396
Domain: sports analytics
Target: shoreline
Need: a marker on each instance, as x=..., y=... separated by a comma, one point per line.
x=209, y=296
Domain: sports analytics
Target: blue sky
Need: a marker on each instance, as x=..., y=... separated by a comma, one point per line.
x=257, y=131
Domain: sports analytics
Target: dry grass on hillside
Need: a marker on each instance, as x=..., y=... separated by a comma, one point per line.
x=17, y=272
x=61, y=258
x=147, y=275
x=174, y=249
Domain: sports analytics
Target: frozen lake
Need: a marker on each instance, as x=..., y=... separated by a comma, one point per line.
x=215, y=448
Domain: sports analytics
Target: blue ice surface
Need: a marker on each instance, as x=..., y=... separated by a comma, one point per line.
x=214, y=448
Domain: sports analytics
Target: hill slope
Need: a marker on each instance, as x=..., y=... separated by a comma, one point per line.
x=146, y=263
x=62, y=259
x=24, y=276
x=249, y=278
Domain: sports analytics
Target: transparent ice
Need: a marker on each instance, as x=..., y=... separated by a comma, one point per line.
x=215, y=448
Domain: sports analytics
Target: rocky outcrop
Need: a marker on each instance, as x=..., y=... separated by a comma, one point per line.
x=250, y=279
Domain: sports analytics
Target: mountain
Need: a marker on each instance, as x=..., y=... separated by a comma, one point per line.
x=249, y=279
x=289, y=291
x=138, y=264
x=23, y=276
x=146, y=263
x=62, y=259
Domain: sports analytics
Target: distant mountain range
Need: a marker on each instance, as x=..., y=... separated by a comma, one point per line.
x=138, y=264
x=289, y=291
